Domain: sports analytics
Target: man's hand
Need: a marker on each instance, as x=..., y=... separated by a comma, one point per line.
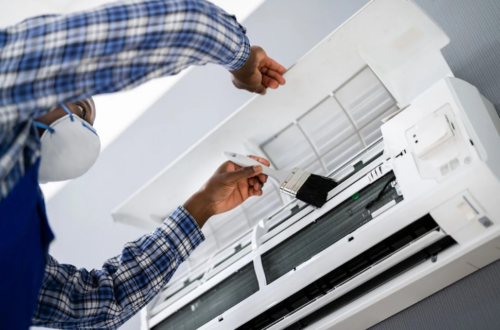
x=259, y=72
x=230, y=186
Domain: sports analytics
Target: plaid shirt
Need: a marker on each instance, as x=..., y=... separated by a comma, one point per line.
x=48, y=60
x=74, y=298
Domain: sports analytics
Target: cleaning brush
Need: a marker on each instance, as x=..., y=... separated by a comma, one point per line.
x=310, y=188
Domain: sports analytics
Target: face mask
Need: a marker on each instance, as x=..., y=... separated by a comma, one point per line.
x=70, y=146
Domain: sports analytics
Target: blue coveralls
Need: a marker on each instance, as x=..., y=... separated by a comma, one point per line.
x=25, y=236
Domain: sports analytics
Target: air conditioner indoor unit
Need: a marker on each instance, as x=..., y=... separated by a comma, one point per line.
x=417, y=207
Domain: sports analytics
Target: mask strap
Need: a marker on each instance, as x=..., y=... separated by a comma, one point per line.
x=88, y=127
x=44, y=126
x=67, y=110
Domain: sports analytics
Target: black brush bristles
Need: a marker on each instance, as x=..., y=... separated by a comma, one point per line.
x=315, y=190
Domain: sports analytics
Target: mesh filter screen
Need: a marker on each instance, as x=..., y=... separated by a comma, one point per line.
x=326, y=230
x=214, y=302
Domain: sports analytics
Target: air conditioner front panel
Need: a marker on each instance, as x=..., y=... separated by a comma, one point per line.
x=344, y=266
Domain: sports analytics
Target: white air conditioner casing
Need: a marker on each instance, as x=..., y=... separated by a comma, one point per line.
x=441, y=147
x=463, y=201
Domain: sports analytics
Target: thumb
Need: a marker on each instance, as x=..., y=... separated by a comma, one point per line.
x=243, y=173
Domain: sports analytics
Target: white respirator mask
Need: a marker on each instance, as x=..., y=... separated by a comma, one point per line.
x=70, y=146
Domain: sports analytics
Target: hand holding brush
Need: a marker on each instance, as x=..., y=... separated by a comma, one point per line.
x=310, y=188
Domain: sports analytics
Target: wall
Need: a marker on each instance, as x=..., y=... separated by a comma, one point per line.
x=80, y=213
x=474, y=55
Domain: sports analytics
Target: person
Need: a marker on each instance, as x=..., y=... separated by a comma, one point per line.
x=50, y=67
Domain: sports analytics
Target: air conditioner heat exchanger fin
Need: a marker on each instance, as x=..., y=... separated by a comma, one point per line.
x=328, y=229
x=296, y=209
x=214, y=302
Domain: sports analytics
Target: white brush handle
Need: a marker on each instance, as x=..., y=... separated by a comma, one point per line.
x=244, y=161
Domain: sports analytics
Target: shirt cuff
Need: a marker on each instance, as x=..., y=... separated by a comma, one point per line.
x=242, y=55
x=182, y=232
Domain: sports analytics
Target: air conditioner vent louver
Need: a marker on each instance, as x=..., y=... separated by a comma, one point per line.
x=346, y=272
x=326, y=230
x=374, y=283
x=214, y=302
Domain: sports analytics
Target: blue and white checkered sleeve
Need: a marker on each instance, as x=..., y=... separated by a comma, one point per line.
x=48, y=60
x=73, y=298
